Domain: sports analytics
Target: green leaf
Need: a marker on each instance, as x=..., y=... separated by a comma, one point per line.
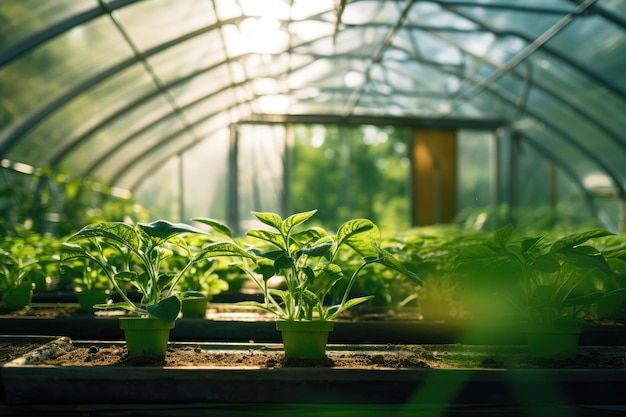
x=126, y=276
x=502, y=236
x=117, y=232
x=271, y=237
x=285, y=296
x=216, y=249
x=73, y=251
x=294, y=220
x=328, y=276
x=334, y=311
x=257, y=305
x=546, y=263
x=584, y=300
x=162, y=230
x=318, y=250
x=115, y=306
x=529, y=244
x=270, y=219
x=283, y=262
x=583, y=258
x=571, y=241
x=360, y=235
x=391, y=262
x=265, y=268
x=164, y=281
x=190, y=295
x=308, y=272
x=167, y=309
x=216, y=225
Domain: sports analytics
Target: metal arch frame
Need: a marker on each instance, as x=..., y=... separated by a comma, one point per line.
x=60, y=155
x=30, y=123
x=116, y=4
x=594, y=75
x=223, y=89
x=120, y=3
x=171, y=43
x=59, y=28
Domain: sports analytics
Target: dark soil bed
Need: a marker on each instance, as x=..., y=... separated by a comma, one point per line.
x=429, y=356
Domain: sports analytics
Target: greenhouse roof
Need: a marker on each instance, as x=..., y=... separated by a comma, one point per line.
x=114, y=88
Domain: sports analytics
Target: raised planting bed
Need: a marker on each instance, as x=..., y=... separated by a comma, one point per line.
x=229, y=323
x=206, y=375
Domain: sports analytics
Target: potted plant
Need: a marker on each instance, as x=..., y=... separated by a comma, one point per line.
x=544, y=281
x=89, y=284
x=22, y=269
x=139, y=252
x=199, y=287
x=305, y=260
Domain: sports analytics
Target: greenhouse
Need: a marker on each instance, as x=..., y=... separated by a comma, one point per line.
x=426, y=182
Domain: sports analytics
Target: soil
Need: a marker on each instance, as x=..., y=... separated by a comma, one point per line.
x=414, y=356
x=10, y=351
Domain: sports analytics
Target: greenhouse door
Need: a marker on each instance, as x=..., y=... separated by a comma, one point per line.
x=434, y=163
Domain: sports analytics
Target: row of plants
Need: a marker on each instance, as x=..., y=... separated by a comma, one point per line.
x=499, y=278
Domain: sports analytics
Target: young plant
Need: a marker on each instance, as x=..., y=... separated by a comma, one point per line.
x=22, y=263
x=543, y=280
x=305, y=259
x=139, y=252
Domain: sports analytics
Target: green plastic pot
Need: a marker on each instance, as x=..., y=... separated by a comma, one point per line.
x=146, y=336
x=195, y=307
x=17, y=298
x=87, y=299
x=305, y=339
x=554, y=339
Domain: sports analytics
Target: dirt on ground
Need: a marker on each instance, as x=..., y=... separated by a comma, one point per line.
x=443, y=356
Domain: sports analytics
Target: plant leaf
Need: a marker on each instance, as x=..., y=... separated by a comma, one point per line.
x=271, y=237
x=359, y=234
x=318, y=250
x=546, y=263
x=574, y=240
x=115, y=306
x=167, y=309
x=73, y=251
x=216, y=249
x=257, y=305
x=118, y=232
x=294, y=220
x=334, y=311
x=216, y=225
x=502, y=236
x=162, y=230
x=270, y=219
x=390, y=261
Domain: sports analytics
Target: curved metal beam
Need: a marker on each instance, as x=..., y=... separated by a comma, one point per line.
x=36, y=39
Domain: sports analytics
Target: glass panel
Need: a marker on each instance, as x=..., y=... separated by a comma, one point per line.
x=201, y=85
x=111, y=138
x=145, y=142
x=260, y=170
x=198, y=53
x=606, y=56
x=56, y=67
x=475, y=169
x=21, y=19
x=83, y=114
x=206, y=177
x=150, y=23
x=160, y=191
